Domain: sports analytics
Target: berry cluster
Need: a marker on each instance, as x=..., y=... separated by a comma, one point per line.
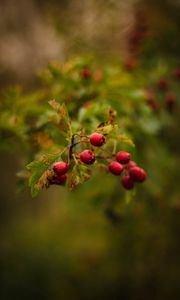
x=60, y=168
x=59, y=173
x=130, y=170
x=121, y=165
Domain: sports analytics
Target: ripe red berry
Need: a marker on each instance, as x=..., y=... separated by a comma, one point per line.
x=87, y=157
x=60, y=167
x=56, y=179
x=86, y=73
x=131, y=164
x=127, y=182
x=137, y=174
x=97, y=139
x=115, y=168
x=123, y=157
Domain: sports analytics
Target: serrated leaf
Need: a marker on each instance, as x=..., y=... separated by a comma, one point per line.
x=79, y=174
x=63, y=120
x=54, y=104
x=43, y=140
x=37, y=168
x=112, y=115
x=106, y=128
x=40, y=172
x=55, y=70
x=43, y=181
x=103, y=168
x=51, y=158
x=125, y=140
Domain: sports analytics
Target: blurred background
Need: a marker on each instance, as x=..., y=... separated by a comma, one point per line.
x=61, y=245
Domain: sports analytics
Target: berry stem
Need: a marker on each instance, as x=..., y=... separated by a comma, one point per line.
x=69, y=154
x=81, y=135
x=75, y=159
x=108, y=152
x=70, y=148
x=106, y=158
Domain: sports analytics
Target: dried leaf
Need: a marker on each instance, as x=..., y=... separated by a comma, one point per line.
x=63, y=117
x=112, y=116
x=40, y=172
x=125, y=140
x=54, y=104
x=43, y=140
x=43, y=181
x=79, y=174
x=103, y=168
x=106, y=128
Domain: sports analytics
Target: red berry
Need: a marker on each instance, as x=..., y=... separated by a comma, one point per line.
x=123, y=157
x=127, y=182
x=163, y=84
x=130, y=63
x=135, y=37
x=87, y=157
x=131, y=164
x=137, y=174
x=60, y=167
x=115, y=168
x=58, y=179
x=153, y=105
x=170, y=101
x=151, y=101
x=86, y=73
x=97, y=139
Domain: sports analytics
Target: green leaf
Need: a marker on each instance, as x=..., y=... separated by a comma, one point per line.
x=79, y=174
x=55, y=70
x=106, y=128
x=37, y=168
x=63, y=120
x=125, y=140
x=40, y=172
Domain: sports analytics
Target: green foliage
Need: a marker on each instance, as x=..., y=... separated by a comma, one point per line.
x=40, y=172
x=63, y=121
x=79, y=174
x=111, y=101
